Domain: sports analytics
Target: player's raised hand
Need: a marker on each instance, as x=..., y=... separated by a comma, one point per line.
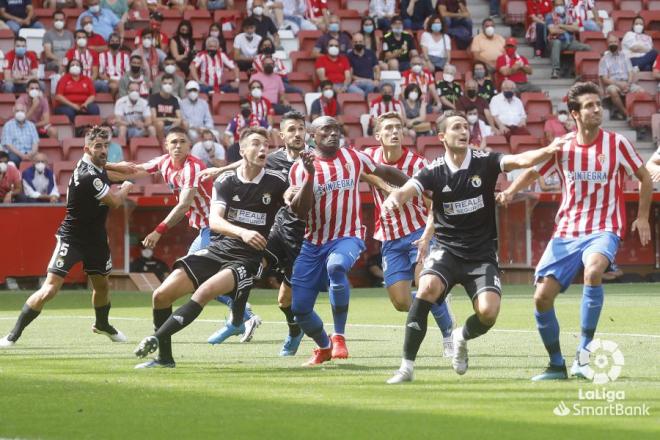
x=290, y=193
x=423, y=247
x=254, y=239
x=504, y=198
x=644, y=230
x=151, y=240
x=307, y=158
x=209, y=174
x=125, y=168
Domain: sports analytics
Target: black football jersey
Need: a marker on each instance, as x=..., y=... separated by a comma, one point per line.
x=290, y=225
x=464, y=203
x=85, y=213
x=250, y=205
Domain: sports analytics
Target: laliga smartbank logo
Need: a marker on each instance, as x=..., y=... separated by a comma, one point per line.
x=600, y=362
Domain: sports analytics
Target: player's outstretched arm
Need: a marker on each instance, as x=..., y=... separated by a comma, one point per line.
x=401, y=196
x=213, y=172
x=522, y=182
x=303, y=201
x=531, y=158
x=220, y=225
x=641, y=224
x=377, y=183
x=122, y=171
x=653, y=165
x=117, y=199
x=186, y=199
x=391, y=175
x=425, y=240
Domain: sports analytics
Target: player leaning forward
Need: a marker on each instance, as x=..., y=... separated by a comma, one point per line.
x=462, y=187
x=243, y=208
x=591, y=220
x=82, y=237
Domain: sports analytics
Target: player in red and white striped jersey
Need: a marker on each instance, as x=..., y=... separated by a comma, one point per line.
x=334, y=234
x=400, y=230
x=592, y=166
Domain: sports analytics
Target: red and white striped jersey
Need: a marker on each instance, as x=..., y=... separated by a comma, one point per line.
x=423, y=80
x=378, y=107
x=279, y=67
x=210, y=68
x=315, y=8
x=336, y=212
x=114, y=65
x=592, y=178
x=412, y=216
x=262, y=107
x=87, y=57
x=186, y=176
x=21, y=66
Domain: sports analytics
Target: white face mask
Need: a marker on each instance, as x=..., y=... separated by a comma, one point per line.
x=20, y=116
x=40, y=167
x=167, y=88
x=328, y=93
x=170, y=68
x=413, y=96
x=215, y=34
x=75, y=70
x=3, y=167
x=638, y=28
x=82, y=42
x=417, y=68
x=89, y=27
x=258, y=10
x=59, y=25
x=333, y=51
x=147, y=253
x=147, y=43
x=563, y=117
x=95, y=9
x=34, y=93
x=448, y=77
x=193, y=95
x=208, y=145
x=489, y=31
x=134, y=95
x=472, y=119
x=256, y=93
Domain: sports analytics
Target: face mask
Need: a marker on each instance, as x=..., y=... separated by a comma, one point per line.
x=472, y=119
x=249, y=35
x=147, y=253
x=3, y=167
x=82, y=42
x=258, y=11
x=489, y=31
x=134, y=95
x=333, y=51
x=368, y=29
x=193, y=95
x=563, y=117
x=436, y=27
x=511, y=51
x=20, y=116
x=20, y=51
x=638, y=28
x=34, y=93
x=479, y=74
x=167, y=88
x=471, y=93
x=114, y=46
x=136, y=69
x=215, y=34
x=417, y=68
x=245, y=112
x=397, y=30
x=212, y=53
x=75, y=70
x=508, y=95
x=387, y=97
x=256, y=93
x=147, y=43
x=170, y=68
x=95, y=9
x=448, y=77
x=268, y=50
x=268, y=68
x=559, y=10
x=88, y=28
x=333, y=27
x=40, y=167
x=413, y=96
x=208, y=145
x=613, y=47
x=184, y=32
x=59, y=25
x=328, y=93
x=358, y=47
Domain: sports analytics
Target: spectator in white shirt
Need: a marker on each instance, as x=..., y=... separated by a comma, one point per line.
x=508, y=111
x=209, y=151
x=294, y=16
x=435, y=44
x=638, y=46
x=133, y=115
x=246, y=45
x=39, y=182
x=382, y=11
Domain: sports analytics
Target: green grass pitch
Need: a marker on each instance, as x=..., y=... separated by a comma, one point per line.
x=61, y=381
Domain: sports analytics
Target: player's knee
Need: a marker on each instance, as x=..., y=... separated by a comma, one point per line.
x=593, y=275
x=46, y=293
x=159, y=298
x=336, y=269
x=488, y=314
x=543, y=300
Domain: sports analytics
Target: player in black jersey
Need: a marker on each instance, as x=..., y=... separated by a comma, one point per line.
x=82, y=237
x=243, y=209
x=462, y=187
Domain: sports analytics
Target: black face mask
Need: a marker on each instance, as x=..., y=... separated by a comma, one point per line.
x=184, y=33
x=387, y=98
x=245, y=112
x=268, y=68
x=212, y=53
x=359, y=47
x=136, y=69
x=114, y=46
x=508, y=95
x=471, y=93
x=268, y=50
x=613, y=47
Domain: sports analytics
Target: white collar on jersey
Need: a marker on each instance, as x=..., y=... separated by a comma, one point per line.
x=88, y=160
x=464, y=166
x=257, y=179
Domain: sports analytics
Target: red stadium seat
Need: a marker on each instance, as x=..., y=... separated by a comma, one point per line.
x=515, y=12
x=6, y=40
x=623, y=20
x=462, y=60
x=200, y=18
x=351, y=20
x=7, y=101
x=362, y=6
x=427, y=141
x=498, y=144
x=226, y=104
x=352, y=103
x=432, y=152
x=63, y=126
x=106, y=103
x=520, y=143
x=222, y=119
x=157, y=189
x=302, y=80
x=631, y=5
x=652, y=19
x=302, y=61
x=596, y=40
x=640, y=107
x=72, y=148
x=52, y=149
x=536, y=103
x=647, y=82
x=307, y=41
x=86, y=121
x=586, y=65
x=63, y=172
x=535, y=125
x=352, y=126
x=362, y=143
x=296, y=101
x=606, y=5
x=144, y=149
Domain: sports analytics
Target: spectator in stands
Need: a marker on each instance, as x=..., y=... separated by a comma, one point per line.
x=208, y=66
x=60, y=4
x=215, y=5
x=457, y=21
x=138, y=12
x=195, y=112
x=372, y=41
x=113, y=65
x=95, y=41
x=414, y=106
x=133, y=115
x=617, y=76
x=342, y=38
x=414, y=12
x=265, y=27
x=537, y=31
x=271, y=9
x=209, y=151
x=487, y=46
x=89, y=59
x=170, y=68
x=584, y=15
x=135, y=74
x=511, y=65
x=75, y=93
x=246, y=44
x=562, y=33
x=326, y=104
x=105, y=21
x=270, y=86
x=266, y=50
x=435, y=45
x=385, y=103
x=11, y=187
x=146, y=263
x=38, y=109
x=19, y=14
x=318, y=13
x=382, y=11
x=57, y=41
x=261, y=107
x=365, y=70
x=165, y=108
x=180, y=6
x=19, y=136
x=398, y=46
x=449, y=90
x=558, y=124
x=215, y=30
x=295, y=16
x=182, y=46
x=479, y=130
x=508, y=111
x=245, y=118
x=638, y=46
x=472, y=99
x=336, y=68
x=39, y=184
x=417, y=74
x=486, y=87
x=151, y=56
x=118, y=7
x=20, y=66
x=160, y=40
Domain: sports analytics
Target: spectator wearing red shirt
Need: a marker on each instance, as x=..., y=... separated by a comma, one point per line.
x=558, y=124
x=11, y=185
x=656, y=68
x=75, y=93
x=326, y=104
x=515, y=67
x=262, y=107
x=20, y=66
x=336, y=68
x=537, y=31
x=160, y=40
x=94, y=41
x=318, y=13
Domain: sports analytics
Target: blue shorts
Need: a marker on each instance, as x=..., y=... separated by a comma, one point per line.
x=400, y=258
x=201, y=242
x=564, y=257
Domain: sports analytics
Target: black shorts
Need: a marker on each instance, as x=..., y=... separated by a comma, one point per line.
x=203, y=264
x=475, y=276
x=95, y=257
x=281, y=252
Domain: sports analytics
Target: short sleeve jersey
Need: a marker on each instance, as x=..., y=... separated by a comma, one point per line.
x=292, y=226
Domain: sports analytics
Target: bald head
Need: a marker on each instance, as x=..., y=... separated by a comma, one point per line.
x=327, y=133
x=323, y=121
